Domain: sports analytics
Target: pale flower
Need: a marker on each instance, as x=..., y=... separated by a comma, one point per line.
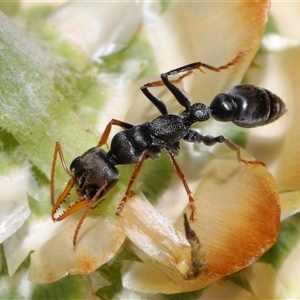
x=80, y=65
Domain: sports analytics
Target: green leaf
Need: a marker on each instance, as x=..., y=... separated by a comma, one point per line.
x=111, y=272
x=137, y=49
x=70, y=287
x=35, y=86
x=288, y=237
x=127, y=254
x=241, y=281
x=165, y=5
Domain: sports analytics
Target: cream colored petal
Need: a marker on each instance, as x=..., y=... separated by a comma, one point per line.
x=101, y=237
x=211, y=32
x=265, y=282
x=286, y=16
x=238, y=220
x=155, y=235
x=29, y=237
x=225, y=289
x=97, y=243
x=290, y=203
x=289, y=272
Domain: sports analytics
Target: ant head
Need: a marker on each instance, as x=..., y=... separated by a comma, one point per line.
x=223, y=108
x=91, y=170
x=93, y=176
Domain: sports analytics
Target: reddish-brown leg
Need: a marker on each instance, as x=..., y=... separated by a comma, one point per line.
x=107, y=130
x=189, y=69
x=134, y=175
x=237, y=150
x=89, y=206
x=199, y=64
x=182, y=177
x=58, y=150
x=223, y=67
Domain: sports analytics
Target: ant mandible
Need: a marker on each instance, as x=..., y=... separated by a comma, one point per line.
x=94, y=173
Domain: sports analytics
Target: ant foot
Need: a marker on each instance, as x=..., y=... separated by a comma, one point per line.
x=120, y=207
x=193, y=212
x=253, y=162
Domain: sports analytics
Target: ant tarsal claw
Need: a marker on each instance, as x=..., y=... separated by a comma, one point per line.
x=193, y=211
x=121, y=206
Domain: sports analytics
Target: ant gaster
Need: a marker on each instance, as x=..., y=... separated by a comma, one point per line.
x=94, y=173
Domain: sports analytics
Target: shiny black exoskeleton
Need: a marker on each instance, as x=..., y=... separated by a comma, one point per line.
x=244, y=105
x=85, y=170
x=247, y=106
x=94, y=173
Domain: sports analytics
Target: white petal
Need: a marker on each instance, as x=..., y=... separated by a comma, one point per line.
x=289, y=272
x=92, y=25
x=28, y=238
x=97, y=243
x=13, y=199
x=155, y=235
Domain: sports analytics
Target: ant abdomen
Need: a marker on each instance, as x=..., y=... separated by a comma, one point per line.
x=247, y=106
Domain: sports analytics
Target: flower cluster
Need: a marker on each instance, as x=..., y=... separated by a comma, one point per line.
x=67, y=71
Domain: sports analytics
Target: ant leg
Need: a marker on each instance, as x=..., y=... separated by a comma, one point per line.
x=199, y=64
x=179, y=94
x=155, y=100
x=70, y=184
x=209, y=140
x=134, y=175
x=87, y=209
x=107, y=130
x=160, y=105
x=182, y=177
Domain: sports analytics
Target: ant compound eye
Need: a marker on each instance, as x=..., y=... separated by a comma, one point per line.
x=75, y=163
x=223, y=108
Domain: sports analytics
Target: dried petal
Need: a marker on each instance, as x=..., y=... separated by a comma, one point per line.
x=238, y=220
x=101, y=237
x=155, y=235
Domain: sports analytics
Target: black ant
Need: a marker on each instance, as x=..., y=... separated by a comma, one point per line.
x=94, y=173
